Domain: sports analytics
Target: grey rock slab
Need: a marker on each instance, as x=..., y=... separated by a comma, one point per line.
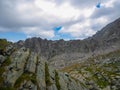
x=41, y=74
x=16, y=68
x=31, y=63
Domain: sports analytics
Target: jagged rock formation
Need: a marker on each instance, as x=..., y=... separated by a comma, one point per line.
x=61, y=53
x=22, y=69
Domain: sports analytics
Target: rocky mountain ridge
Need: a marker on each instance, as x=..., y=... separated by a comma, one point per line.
x=104, y=41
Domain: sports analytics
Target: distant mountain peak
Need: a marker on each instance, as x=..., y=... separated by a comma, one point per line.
x=110, y=30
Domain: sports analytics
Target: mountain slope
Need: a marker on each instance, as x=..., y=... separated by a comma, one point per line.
x=21, y=69
x=101, y=72
x=111, y=31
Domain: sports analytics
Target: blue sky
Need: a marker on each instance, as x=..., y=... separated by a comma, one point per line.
x=60, y=35
x=98, y=5
x=13, y=36
x=55, y=19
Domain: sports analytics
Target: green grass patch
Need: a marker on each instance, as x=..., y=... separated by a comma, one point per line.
x=57, y=80
x=3, y=44
x=25, y=76
x=7, y=88
x=47, y=75
x=33, y=79
x=2, y=68
x=6, y=62
x=100, y=81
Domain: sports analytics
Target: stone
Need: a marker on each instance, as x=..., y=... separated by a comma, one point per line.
x=18, y=60
x=41, y=74
x=2, y=59
x=31, y=63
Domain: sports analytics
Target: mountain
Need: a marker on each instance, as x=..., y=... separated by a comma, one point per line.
x=101, y=71
x=111, y=31
x=41, y=64
x=22, y=69
x=61, y=53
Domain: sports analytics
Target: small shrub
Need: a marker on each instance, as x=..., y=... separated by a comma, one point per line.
x=2, y=68
x=3, y=44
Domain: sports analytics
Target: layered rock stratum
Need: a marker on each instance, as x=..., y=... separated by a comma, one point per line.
x=21, y=69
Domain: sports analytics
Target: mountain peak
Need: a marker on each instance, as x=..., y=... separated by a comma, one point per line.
x=110, y=31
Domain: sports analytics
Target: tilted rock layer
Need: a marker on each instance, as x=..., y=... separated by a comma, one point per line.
x=25, y=70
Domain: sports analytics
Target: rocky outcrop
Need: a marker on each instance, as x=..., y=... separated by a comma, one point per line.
x=25, y=70
x=41, y=74
x=31, y=63
x=16, y=68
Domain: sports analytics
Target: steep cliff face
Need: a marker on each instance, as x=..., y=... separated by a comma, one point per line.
x=21, y=69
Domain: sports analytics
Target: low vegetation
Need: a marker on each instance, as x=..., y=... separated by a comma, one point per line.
x=7, y=88
x=2, y=68
x=47, y=75
x=3, y=45
x=25, y=76
x=101, y=70
x=57, y=80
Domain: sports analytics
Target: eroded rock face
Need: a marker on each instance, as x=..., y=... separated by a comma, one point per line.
x=41, y=74
x=31, y=63
x=28, y=71
x=16, y=68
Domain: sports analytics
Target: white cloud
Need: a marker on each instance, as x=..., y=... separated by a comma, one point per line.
x=109, y=3
x=36, y=31
x=79, y=18
x=79, y=30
